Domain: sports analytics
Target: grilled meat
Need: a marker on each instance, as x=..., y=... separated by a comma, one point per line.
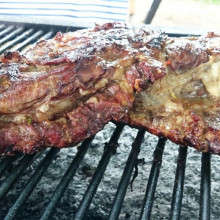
x=184, y=105
x=66, y=89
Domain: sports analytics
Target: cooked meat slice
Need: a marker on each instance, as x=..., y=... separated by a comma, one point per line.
x=82, y=122
x=184, y=105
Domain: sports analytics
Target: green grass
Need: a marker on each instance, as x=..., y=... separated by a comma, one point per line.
x=211, y=1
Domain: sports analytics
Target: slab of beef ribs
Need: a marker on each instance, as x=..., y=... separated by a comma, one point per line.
x=66, y=89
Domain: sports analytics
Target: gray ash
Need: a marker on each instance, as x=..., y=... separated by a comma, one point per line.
x=103, y=199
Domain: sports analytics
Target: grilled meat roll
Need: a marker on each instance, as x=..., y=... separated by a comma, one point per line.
x=66, y=89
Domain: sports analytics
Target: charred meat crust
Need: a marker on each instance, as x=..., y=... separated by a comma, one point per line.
x=66, y=89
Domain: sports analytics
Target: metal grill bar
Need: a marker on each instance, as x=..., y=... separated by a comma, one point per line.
x=15, y=174
x=42, y=167
x=205, y=189
x=44, y=37
x=152, y=11
x=47, y=35
x=5, y=31
x=5, y=162
x=178, y=184
x=28, y=40
x=67, y=177
x=110, y=149
x=152, y=182
x=2, y=26
x=17, y=39
x=12, y=34
x=129, y=167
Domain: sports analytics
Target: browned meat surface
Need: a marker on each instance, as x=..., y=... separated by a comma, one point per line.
x=184, y=105
x=66, y=89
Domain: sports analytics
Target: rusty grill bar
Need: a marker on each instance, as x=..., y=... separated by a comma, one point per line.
x=19, y=37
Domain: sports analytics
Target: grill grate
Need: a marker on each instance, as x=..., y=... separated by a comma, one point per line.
x=18, y=37
x=205, y=188
x=152, y=182
x=178, y=184
x=66, y=179
x=123, y=185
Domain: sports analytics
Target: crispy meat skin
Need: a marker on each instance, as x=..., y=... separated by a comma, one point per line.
x=66, y=89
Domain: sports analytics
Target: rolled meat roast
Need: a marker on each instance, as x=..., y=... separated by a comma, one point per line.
x=63, y=90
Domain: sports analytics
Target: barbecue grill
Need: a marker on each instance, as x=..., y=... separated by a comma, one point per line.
x=21, y=175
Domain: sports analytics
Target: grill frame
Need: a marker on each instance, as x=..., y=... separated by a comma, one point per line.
x=31, y=33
